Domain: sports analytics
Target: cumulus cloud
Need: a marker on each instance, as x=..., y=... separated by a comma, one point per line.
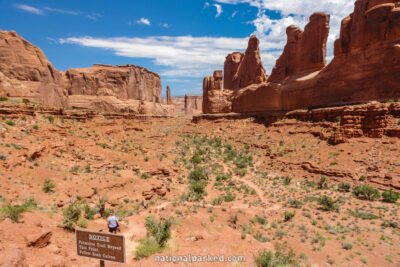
x=182, y=56
x=219, y=10
x=144, y=21
x=29, y=9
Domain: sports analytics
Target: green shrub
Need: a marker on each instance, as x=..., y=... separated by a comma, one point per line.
x=146, y=248
x=287, y=180
x=48, y=186
x=344, y=187
x=390, y=196
x=197, y=189
x=2, y=98
x=14, y=212
x=197, y=174
x=10, y=122
x=323, y=182
x=281, y=258
x=347, y=246
x=366, y=192
x=327, y=203
x=289, y=215
x=82, y=222
x=294, y=203
x=160, y=231
x=363, y=215
x=229, y=197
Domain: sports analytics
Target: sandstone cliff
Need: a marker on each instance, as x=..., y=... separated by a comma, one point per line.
x=250, y=69
x=231, y=66
x=193, y=104
x=169, y=97
x=26, y=73
x=365, y=67
x=215, y=100
x=123, y=82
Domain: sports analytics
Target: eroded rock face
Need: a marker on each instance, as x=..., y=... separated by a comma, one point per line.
x=304, y=51
x=250, y=69
x=193, y=103
x=215, y=100
x=123, y=82
x=231, y=66
x=26, y=73
x=365, y=67
x=169, y=97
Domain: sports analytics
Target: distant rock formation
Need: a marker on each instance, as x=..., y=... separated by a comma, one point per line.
x=250, y=69
x=215, y=100
x=365, y=67
x=231, y=66
x=26, y=73
x=123, y=82
x=193, y=104
x=169, y=97
x=304, y=51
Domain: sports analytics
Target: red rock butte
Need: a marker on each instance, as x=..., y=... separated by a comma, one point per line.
x=365, y=67
x=25, y=73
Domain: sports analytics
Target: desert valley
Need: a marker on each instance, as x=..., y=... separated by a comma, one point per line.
x=299, y=167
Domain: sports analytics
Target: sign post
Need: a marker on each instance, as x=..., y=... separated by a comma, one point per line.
x=101, y=246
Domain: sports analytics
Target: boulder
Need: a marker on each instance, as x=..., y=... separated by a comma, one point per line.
x=25, y=72
x=38, y=240
x=250, y=69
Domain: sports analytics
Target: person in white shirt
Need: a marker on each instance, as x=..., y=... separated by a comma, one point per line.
x=112, y=223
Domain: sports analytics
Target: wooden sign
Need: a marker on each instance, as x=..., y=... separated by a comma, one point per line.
x=101, y=246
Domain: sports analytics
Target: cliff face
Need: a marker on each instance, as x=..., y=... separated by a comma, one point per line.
x=25, y=72
x=193, y=104
x=365, y=67
x=123, y=82
x=215, y=100
x=304, y=51
x=231, y=65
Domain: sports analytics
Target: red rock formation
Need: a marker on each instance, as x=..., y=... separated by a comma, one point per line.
x=26, y=73
x=123, y=82
x=250, y=70
x=193, y=104
x=169, y=97
x=215, y=100
x=304, y=51
x=366, y=67
x=231, y=66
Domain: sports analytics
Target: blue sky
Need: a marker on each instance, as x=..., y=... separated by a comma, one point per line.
x=182, y=40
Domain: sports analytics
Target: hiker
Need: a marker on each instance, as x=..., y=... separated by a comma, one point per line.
x=112, y=223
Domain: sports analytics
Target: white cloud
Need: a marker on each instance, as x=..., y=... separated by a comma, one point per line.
x=93, y=16
x=182, y=56
x=165, y=25
x=219, y=10
x=30, y=9
x=234, y=14
x=144, y=21
x=62, y=11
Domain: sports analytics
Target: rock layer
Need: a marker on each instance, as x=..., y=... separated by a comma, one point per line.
x=193, y=103
x=26, y=73
x=215, y=100
x=231, y=66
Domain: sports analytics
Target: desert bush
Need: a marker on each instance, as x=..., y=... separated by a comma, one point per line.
x=281, y=258
x=327, y=203
x=287, y=180
x=10, y=122
x=323, y=182
x=146, y=248
x=289, y=215
x=390, y=196
x=344, y=187
x=2, y=98
x=294, y=203
x=366, y=192
x=197, y=174
x=159, y=230
x=48, y=186
x=71, y=216
x=14, y=212
x=347, y=246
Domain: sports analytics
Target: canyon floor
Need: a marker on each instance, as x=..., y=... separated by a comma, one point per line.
x=229, y=187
